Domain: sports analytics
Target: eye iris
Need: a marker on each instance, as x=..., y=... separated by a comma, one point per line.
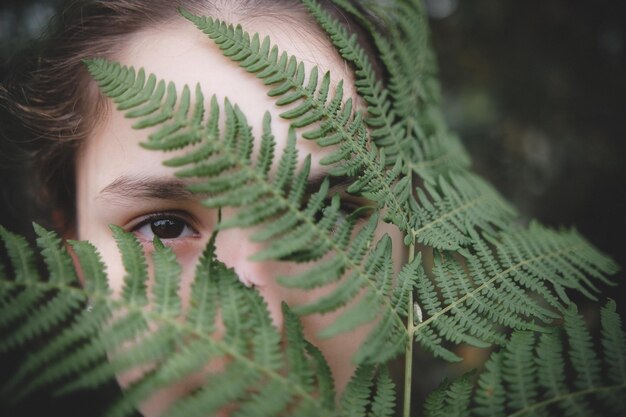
x=167, y=228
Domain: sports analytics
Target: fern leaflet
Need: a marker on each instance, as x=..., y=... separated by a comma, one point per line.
x=528, y=377
x=153, y=337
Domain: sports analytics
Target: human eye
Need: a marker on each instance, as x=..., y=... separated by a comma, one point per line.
x=165, y=226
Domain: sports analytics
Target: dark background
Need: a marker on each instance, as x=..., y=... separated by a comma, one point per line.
x=536, y=89
x=537, y=92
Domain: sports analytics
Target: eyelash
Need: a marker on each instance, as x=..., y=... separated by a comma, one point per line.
x=187, y=229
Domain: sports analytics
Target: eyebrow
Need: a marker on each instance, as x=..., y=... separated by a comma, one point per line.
x=161, y=188
x=126, y=188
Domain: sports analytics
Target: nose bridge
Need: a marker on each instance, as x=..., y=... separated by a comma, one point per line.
x=234, y=248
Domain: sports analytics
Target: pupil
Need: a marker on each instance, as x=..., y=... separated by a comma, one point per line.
x=167, y=228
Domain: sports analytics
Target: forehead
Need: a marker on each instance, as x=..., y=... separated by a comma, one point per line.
x=179, y=52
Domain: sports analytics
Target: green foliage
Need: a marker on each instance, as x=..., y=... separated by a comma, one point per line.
x=474, y=274
x=528, y=376
x=245, y=352
x=296, y=229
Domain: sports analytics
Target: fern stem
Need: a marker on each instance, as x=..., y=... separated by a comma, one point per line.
x=408, y=361
x=569, y=395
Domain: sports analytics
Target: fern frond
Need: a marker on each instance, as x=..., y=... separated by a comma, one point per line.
x=387, y=132
x=34, y=313
x=614, y=342
x=388, y=338
x=370, y=392
x=39, y=307
x=108, y=336
x=21, y=256
x=454, y=205
x=166, y=280
x=337, y=123
x=411, y=38
x=438, y=155
x=581, y=351
x=352, y=150
x=18, y=304
x=505, y=284
x=91, y=266
x=285, y=219
x=413, y=88
x=383, y=403
x=231, y=179
x=521, y=372
x=551, y=374
x=135, y=289
x=530, y=375
x=451, y=398
x=489, y=395
x=474, y=307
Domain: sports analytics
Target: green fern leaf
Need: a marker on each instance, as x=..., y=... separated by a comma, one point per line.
x=614, y=342
x=33, y=314
x=21, y=256
x=530, y=375
x=295, y=244
x=166, y=280
x=335, y=118
x=277, y=205
x=451, y=398
x=387, y=133
x=17, y=304
x=39, y=308
x=91, y=267
x=323, y=376
x=521, y=372
x=490, y=396
x=581, y=351
x=204, y=294
x=383, y=404
x=454, y=206
x=551, y=375
x=355, y=400
x=135, y=290
x=116, y=335
x=467, y=300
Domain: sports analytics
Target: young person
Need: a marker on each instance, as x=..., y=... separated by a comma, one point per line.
x=93, y=173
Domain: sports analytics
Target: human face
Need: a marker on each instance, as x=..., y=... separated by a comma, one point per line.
x=120, y=183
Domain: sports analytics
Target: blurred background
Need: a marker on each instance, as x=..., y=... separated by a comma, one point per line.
x=537, y=92
x=536, y=89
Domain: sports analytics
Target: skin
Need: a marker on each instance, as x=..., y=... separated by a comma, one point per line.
x=120, y=183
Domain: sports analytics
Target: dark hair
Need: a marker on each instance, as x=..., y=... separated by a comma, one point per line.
x=50, y=105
